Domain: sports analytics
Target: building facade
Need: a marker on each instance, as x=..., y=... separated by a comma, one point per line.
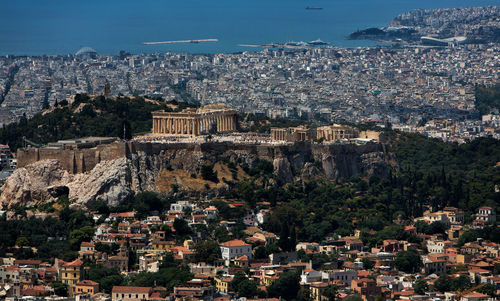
x=130, y=293
x=214, y=118
x=336, y=132
x=291, y=134
x=235, y=248
x=71, y=273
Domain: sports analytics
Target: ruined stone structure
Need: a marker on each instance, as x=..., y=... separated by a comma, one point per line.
x=291, y=134
x=214, y=118
x=328, y=133
x=336, y=132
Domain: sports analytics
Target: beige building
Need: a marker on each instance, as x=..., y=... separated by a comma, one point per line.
x=336, y=132
x=327, y=133
x=291, y=134
x=213, y=118
x=86, y=287
x=130, y=293
x=71, y=273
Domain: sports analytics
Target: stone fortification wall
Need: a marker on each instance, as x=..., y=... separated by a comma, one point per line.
x=73, y=160
x=341, y=160
x=114, y=172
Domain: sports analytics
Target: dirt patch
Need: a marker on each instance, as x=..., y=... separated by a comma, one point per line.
x=185, y=181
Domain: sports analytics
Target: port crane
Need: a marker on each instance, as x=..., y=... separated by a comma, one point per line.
x=181, y=41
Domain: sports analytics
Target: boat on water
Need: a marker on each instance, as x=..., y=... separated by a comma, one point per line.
x=293, y=43
x=314, y=8
x=317, y=42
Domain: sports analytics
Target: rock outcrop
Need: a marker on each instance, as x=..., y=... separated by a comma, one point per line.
x=163, y=167
x=33, y=184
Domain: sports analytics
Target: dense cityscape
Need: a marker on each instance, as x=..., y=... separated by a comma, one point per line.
x=429, y=90
x=290, y=173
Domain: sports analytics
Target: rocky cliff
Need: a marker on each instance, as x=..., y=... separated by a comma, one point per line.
x=168, y=167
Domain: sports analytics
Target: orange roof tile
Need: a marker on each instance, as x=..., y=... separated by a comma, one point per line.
x=131, y=289
x=74, y=263
x=234, y=243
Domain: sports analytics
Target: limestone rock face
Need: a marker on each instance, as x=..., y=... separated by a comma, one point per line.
x=29, y=186
x=109, y=181
x=159, y=167
x=282, y=169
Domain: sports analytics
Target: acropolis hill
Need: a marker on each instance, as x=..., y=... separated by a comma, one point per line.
x=181, y=143
x=114, y=172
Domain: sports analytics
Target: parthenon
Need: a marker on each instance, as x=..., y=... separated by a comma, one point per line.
x=214, y=118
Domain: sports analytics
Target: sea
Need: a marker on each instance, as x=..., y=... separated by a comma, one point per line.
x=58, y=27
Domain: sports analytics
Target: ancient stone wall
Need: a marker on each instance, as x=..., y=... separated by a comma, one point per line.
x=73, y=160
x=83, y=160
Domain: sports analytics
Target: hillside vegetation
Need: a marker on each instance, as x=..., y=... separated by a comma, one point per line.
x=487, y=99
x=432, y=175
x=86, y=116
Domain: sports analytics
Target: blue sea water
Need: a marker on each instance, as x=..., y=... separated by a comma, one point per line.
x=34, y=27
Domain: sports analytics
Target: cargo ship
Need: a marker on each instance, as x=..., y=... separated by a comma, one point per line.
x=314, y=8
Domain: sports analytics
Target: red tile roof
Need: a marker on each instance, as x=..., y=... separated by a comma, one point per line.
x=131, y=289
x=74, y=263
x=27, y=262
x=87, y=283
x=234, y=243
x=475, y=295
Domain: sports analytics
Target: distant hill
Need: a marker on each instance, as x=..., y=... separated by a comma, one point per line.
x=85, y=116
x=373, y=33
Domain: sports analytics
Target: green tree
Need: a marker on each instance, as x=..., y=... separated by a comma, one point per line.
x=247, y=288
x=488, y=289
x=107, y=282
x=181, y=227
x=330, y=292
x=207, y=173
x=420, y=287
x=60, y=289
x=467, y=236
x=22, y=241
x=77, y=236
x=239, y=277
x=443, y=283
x=207, y=251
x=286, y=286
x=408, y=261
x=367, y=263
